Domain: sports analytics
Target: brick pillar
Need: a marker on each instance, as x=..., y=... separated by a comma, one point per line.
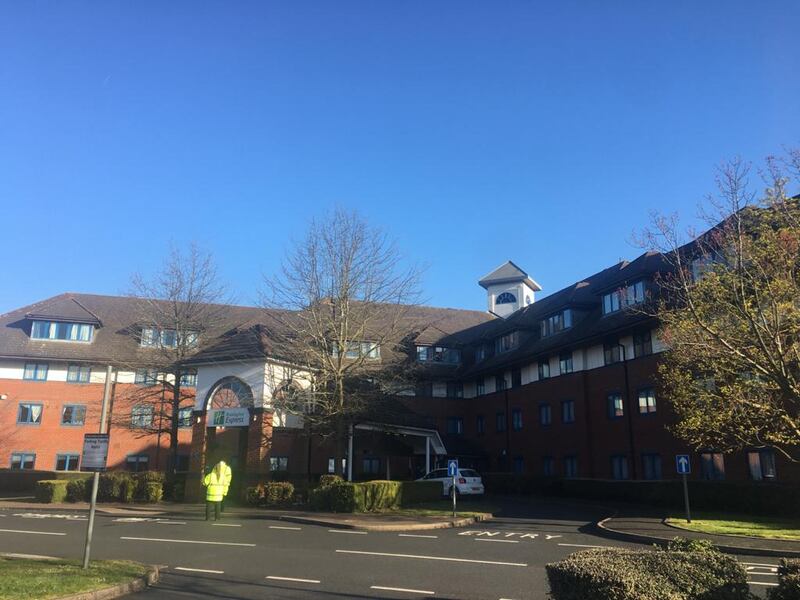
x=259, y=443
x=197, y=458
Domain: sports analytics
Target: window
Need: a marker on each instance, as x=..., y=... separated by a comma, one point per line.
x=480, y=387
x=647, y=401
x=137, y=462
x=651, y=466
x=480, y=425
x=625, y=296
x=481, y=353
x=557, y=322
x=371, y=466
x=370, y=350
x=424, y=389
x=35, y=372
x=278, y=463
x=22, y=461
x=422, y=353
x=712, y=465
x=78, y=374
x=519, y=465
x=70, y=332
x=642, y=344
x=516, y=377
x=185, y=417
x=146, y=377
x=548, y=466
x=167, y=338
x=570, y=466
x=506, y=298
x=499, y=382
x=455, y=389
x=544, y=369
x=545, y=414
x=73, y=414
x=762, y=464
x=189, y=379
x=500, y=421
x=612, y=352
x=141, y=416
x=355, y=350
x=67, y=462
x=507, y=342
x=516, y=419
x=331, y=465
x=616, y=407
x=565, y=362
x=455, y=425
x=619, y=467
x=445, y=355
x=29, y=413
x=567, y=411
x=182, y=463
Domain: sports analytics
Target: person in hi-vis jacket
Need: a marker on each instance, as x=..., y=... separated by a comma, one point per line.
x=217, y=484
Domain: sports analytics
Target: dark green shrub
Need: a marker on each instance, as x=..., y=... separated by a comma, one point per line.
x=378, y=495
x=788, y=581
x=254, y=495
x=109, y=488
x=51, y=491
x=278, y=493
x=153, y=492
x=416, y=492
x=329, y=479
x=144, y=486
x=679, y=544
x=79, y=490
x=338, y=497
x=621, y=574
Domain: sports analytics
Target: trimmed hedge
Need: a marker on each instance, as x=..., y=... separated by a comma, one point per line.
x=272, y=493
x=25, y=480
x=621, y=574
x=119, y=486
x=370, y=496
x=329, y=479
x=51, y=490
x=788, y=581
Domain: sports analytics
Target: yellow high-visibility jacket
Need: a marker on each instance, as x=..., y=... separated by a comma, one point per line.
x=228, y=477
x=216, y=485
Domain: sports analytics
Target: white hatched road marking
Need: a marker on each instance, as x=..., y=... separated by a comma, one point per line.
x=32, y=532
x=297, y=579
x=199, y=570
x=285, y=527
x=30, y=515
x=347, y=531
x=415, y=535
x=444, y=558
x=404, y=590
x=500, y=541
x=144, y=539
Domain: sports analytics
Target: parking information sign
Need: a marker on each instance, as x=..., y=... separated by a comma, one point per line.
x=95, y=452
x=452, y=467
x=683, y=464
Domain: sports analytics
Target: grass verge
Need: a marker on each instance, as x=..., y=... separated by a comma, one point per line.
x=444, y=508
x=726, y=524
x=24, y=579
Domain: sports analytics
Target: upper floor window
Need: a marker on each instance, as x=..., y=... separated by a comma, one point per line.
x=612, y=352
x=642, y=344
x=619, y=467
x=516, y=377
x=565, y=362
x=29, y=413
x=544, y=369
x=142, y=416
x=438, y=354
x=506, y=298
x=500, y=382
x=647, y=401
x=455, y=389
x=35, y=371
x=167, y=338
x=358, y=350
x=455, y=425
x=480, y=425
x=189, y=379
x=567, y=411
x=78, y=374
x=481, y=352
x=500, y=422
x=22, y=461
x=73, y=414
x=56, y=330
x=516, y=419
x=146, y=376
x=185, y=417
x=626, y=296
x=557, y=322
x=545, y=414
x=616, y=406
x=548, y=466
x=480, y=386
x=507, y=342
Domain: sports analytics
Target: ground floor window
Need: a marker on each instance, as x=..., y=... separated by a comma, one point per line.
x=278, y=463
x=22, y=461
x=519, y=464
x=762, y=464
x=371, y=466
x=67, y=462
x=712, y=465
x=619, y=467
x=548, y=466
x=331, y=465
x=651, y=466
x=570, y=466
x=137, y=462
x=455, y=425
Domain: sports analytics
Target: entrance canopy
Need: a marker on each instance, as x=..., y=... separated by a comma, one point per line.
x=428, y=438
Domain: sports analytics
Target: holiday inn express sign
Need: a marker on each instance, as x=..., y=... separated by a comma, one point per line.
x=228, y=417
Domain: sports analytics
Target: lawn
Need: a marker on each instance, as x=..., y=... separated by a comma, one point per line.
x=727, y=524
x=26, y=579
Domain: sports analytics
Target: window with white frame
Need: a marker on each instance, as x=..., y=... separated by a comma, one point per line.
x=647, y=401
x=556, y=323
x=22, y=461
x=616, y=406
x=67, y=462
x=544, y=369
x=154, y=337
x=141, y=416
x=354, y=350
x=35, y=372
x=189, y=379
x=146, y=377
x=73, y=414
x=137, y=462
x=565, y=362
x=64, y=331
x=612, y=352
x=506, y=298
x=278, y=463
x=185, y=417
x=78, y=373
x=29, y=413
x=628, y=295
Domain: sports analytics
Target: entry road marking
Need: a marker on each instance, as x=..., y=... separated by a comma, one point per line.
x=284, y=527
x=347, y=531
x=445, y=558
x=406, y=590
x=144, y=539
x=501, y=541
x=33, y=532
x=297, y=579
x=433, y=537
x=199, y=570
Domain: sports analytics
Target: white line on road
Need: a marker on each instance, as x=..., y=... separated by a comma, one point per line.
x=347, y=531
x=33, y=532
x=492, y=540
x=406, y=590
x=584, y=546
x=297, y=579
x=225, y=525
x=759, y=564
x=763, y=583
x=415, y=535
x=445, y=558
x=144, y=539
x=199, y=570
x=285, y=527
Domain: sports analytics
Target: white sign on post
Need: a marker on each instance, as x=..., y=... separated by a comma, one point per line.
x=95, y=452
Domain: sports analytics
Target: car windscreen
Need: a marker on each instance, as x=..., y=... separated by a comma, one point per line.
x=469, y=473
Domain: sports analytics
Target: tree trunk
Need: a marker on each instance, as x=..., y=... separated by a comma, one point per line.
x=173, y=431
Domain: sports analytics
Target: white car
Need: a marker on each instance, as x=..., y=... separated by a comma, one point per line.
x=468, y=481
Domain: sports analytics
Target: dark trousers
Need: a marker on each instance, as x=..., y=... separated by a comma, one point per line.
x=216, y=506
x=222, y=504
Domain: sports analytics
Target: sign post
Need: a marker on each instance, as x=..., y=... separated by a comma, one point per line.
x=683, y=465
x=452, y=471
x=94, y=458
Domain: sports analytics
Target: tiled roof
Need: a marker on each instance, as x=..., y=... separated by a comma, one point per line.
x=508, y=272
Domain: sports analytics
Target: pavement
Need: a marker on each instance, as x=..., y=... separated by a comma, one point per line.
x=251, y=554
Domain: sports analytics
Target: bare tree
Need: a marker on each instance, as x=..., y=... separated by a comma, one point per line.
x=730, y=314
x=341, y=308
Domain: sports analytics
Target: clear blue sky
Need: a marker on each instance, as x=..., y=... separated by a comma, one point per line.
x=475, y=132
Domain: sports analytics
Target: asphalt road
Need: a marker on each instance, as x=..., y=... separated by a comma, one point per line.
x=244, y=558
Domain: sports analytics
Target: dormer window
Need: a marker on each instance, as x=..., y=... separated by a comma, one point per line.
x=624, y=297
x=355, y=350
x=557, y=322
x=506, y=298
x=439, y=354
x=60, y=330
x=167, y=338
x=507, y=342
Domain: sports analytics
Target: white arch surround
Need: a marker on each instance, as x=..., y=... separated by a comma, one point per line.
x=232, y=388
x=251, y=373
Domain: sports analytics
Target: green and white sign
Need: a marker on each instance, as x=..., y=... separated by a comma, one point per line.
x=228, y=417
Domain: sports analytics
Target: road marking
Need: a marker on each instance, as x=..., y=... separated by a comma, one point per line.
x=763, y=583
x=771, y=570
x=415, y=535
x=405, y=590
x=548, y=536
x=759, y=564
x=284, y=527
x=148, y=520
x=225, y=525
x=501, y=541
x=144, y=539
x=30, y=515
x=33, y=532
x=584, y=546
x=199, y=570
x=347, y=531
x=444, y=558
x=297, y=579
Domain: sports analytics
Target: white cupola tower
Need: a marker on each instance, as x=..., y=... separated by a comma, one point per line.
x=508, y=288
